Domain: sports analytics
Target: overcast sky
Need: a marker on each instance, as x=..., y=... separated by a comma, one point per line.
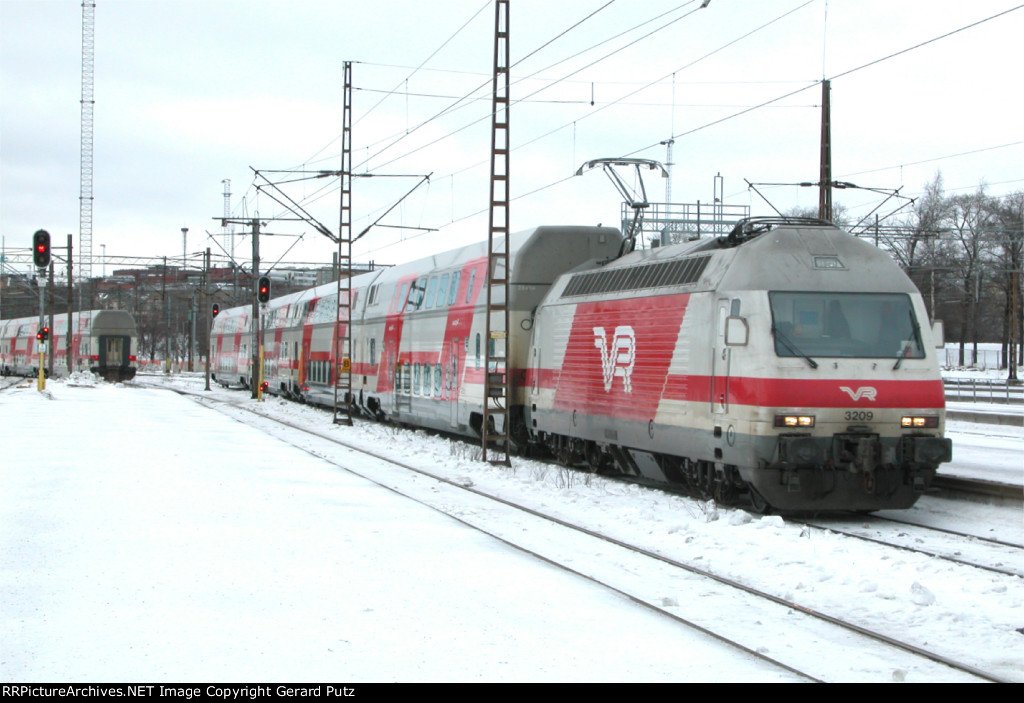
x=191, y=93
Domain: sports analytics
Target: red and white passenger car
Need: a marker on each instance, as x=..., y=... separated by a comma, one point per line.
x=102, y=341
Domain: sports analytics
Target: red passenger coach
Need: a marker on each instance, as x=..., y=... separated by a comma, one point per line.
x=785, y=364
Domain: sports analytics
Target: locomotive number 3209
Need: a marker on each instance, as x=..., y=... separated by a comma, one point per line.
x=860, y=415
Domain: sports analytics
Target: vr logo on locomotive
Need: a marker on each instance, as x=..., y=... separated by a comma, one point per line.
x=618, y=358
x=866, y=392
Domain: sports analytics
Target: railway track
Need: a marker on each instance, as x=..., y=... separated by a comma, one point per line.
x=977, y=487
x=993, y=555
x=11, y=381
x=785, y=633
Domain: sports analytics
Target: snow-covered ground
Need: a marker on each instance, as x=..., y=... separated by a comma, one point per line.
x=985, y=450
x=986, y=364
x=988, y=451
x=146, y=538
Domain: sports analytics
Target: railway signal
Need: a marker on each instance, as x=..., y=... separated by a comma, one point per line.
x=263, y=291
x=216, y=309
x=43, y=334
x=41, y=248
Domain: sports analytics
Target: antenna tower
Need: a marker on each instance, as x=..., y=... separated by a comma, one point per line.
x=85, y=181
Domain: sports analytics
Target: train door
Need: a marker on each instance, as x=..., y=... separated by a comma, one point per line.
x=112, y=354
x=720, y=360
x=394, y=377
x=453, y=394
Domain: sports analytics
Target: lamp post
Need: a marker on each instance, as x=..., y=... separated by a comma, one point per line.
x=184, y=249
x=184, y=283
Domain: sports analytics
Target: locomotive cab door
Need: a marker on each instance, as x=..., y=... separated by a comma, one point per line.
x=721, y=359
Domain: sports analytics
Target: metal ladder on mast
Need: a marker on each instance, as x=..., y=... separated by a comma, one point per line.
x=496, y=422
x=343, y=400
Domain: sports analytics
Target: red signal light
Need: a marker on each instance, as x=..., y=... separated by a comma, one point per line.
x=41, y=248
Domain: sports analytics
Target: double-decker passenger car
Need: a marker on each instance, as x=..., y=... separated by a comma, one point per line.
x=102, y=341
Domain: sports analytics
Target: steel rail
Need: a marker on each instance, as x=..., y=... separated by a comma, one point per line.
x=730, y=583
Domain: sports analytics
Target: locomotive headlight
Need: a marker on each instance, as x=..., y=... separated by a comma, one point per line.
x=919, y=422
x=794, y=420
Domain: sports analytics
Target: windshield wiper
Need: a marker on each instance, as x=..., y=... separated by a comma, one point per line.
x=917, y=340
x=792, y=347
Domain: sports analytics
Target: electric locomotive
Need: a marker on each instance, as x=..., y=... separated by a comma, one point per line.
x=786, y=362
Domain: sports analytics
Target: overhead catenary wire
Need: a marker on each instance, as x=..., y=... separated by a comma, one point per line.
x=645, y=86
x=535, y=77
x=834, y=77
x=399, y=137
x=936, y=158
x=772, y=101
x=436, y=51
x=591, y=64
x=665, y=77
x=394, y=90
x=467, y=97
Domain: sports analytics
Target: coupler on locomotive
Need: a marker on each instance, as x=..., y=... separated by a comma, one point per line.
x=849, y=471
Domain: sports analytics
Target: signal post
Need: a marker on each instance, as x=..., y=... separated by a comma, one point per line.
x=41, y=259
x=214, y=309
x=257, y=333
x=262, y=297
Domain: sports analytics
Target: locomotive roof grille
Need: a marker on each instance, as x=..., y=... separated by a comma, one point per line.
x=666, y=273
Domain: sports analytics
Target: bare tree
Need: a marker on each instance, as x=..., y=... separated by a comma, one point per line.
x=1009, y=260
x=915, y=244
x=970, y=221
x=840, y=215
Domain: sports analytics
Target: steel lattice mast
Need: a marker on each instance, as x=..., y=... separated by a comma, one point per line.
x=85, y=182
x=343, y=322
x=495, y=430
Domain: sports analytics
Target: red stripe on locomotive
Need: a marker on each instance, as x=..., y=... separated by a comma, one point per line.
x=603, y=372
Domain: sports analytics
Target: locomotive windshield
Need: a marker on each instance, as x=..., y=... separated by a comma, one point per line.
x=863, y=325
